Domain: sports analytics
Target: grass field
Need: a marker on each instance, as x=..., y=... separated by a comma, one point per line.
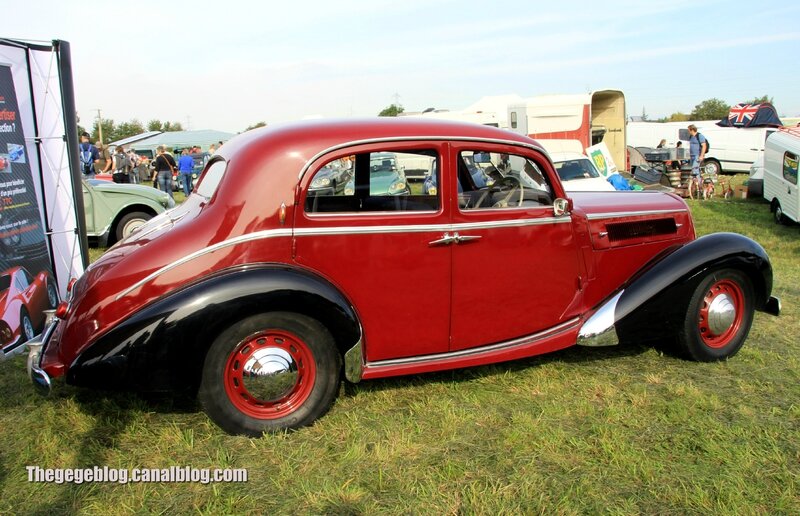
x=622, y=430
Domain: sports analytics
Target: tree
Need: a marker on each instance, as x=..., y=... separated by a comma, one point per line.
x=711, y=109
x=760, y=100
x=678, y=117
x=109, y=131
x=392, y=110
x=158, y=125
x=255, y=126
x=128, y=129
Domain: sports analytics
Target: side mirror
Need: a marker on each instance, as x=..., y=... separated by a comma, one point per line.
x=562, y=207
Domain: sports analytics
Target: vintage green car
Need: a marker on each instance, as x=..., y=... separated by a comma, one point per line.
x=386, y=176
x=114, y=211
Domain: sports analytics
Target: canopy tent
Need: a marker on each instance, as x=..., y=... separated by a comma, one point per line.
x=177, y=140
x=751, y=115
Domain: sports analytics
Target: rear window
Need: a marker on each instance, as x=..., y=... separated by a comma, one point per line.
x=210, y=180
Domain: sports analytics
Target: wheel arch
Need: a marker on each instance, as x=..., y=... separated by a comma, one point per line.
x=130, y=208
x=651, y=294
x=163, y=346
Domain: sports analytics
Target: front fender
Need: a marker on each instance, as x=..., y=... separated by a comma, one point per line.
x=163, y=346
x=659, y=288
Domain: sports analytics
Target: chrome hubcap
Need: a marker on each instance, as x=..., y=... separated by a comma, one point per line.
x=721, y=314
x=269, y=374
x=132, y=226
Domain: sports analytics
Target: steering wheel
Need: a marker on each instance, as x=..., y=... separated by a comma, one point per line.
x=512, y=183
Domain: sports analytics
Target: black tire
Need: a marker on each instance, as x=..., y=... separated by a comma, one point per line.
x=129, y=222
x=52, y=294
x=698, y=339
x=712, y=166
x=777, y=211
x=27, y=331
x=235, y=409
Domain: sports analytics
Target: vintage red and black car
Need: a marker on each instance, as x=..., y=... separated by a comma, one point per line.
x=260, y=292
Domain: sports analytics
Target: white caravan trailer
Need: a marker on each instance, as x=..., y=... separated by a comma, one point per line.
x=732, y=149
x=571, y=123
x=780, y=174
x=491, y=110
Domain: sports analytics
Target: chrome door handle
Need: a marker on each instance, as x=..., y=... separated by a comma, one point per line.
x=446, y=239
x=465, y=238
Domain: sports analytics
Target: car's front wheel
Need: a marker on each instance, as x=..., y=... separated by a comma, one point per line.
x=130, y=223
x=26, y=325
x=718, y=317
x=270, y=372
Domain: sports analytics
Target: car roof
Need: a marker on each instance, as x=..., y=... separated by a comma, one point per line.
x=311, y=137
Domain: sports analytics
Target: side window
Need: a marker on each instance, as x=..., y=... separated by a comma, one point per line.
x=376, y=181
x=21, y=283
x=488, y=180
x=513, y=119
x=27, y=279
x=790, y=167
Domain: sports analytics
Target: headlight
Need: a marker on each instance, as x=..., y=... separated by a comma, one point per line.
x=320, y=182
x=349, y=190
x=432, y=190
x=397, y=186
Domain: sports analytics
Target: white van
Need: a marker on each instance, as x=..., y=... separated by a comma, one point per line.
x=780, y=174
x=731, y=149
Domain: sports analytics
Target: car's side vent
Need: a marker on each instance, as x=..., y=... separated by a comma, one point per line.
x=643, y=228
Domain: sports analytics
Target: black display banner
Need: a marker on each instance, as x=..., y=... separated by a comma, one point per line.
x=27, y=287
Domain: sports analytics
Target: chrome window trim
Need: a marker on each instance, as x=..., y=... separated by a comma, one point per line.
x=521, y=341
x=400, y=139
x=342, y=230
x=620, y=214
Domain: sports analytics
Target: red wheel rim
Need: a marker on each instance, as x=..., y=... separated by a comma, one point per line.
x=270, y=374
x=721, y=313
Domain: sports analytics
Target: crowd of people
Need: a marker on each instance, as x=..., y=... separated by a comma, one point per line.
x=126, y=166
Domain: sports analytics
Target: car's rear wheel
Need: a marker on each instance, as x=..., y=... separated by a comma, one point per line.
x=130, y=223
x=26, y=325
x=712, y=167
x=52, y=294
x=270, y=372
x=718, y=317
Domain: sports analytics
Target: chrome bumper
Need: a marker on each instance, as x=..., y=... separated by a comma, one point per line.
x=773, y=306
x=39, y=378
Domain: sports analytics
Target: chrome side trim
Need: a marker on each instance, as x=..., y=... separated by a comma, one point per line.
x=598, y=330
x=342, y=230
x=618, y=214
x=354, y=362
x=258, y=235
x=509, y=344
x=397, y=139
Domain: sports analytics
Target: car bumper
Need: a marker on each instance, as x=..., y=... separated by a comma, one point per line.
x=39, y=378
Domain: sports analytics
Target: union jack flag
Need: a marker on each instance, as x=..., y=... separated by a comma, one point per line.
x=742, y=114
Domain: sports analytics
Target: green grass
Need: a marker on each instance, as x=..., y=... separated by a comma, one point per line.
x=622, y=430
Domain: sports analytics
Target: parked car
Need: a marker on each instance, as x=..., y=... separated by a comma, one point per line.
x=331, y=180
x=199, y=158
x=258, y=295
x=114, y=211
x=386, y=177
x=23, y=300
x=578, y=173
x=755, y=181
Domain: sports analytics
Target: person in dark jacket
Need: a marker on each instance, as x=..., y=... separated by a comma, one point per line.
x=164, y=165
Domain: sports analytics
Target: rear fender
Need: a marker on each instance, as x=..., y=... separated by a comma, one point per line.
x=163, y=346
x=661, y=289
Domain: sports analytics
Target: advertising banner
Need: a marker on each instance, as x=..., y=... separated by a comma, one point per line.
x=27, y=287
x=42, y=229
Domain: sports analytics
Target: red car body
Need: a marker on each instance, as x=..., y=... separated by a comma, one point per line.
x=390, y=291
x=23, y=300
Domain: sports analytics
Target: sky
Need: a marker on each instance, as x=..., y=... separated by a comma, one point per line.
x=227, y=65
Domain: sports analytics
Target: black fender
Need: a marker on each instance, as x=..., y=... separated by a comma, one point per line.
x=163, y=346
x=655, y=295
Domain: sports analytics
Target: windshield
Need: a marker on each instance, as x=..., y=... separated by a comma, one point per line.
x=576, y=169
x=210, y=180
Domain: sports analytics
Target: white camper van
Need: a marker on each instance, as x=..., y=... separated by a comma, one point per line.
x=780, y=174
x=732, y=149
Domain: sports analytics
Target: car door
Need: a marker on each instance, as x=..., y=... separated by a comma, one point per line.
x=515, y=265
x=375, y=240
x=88, y=208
